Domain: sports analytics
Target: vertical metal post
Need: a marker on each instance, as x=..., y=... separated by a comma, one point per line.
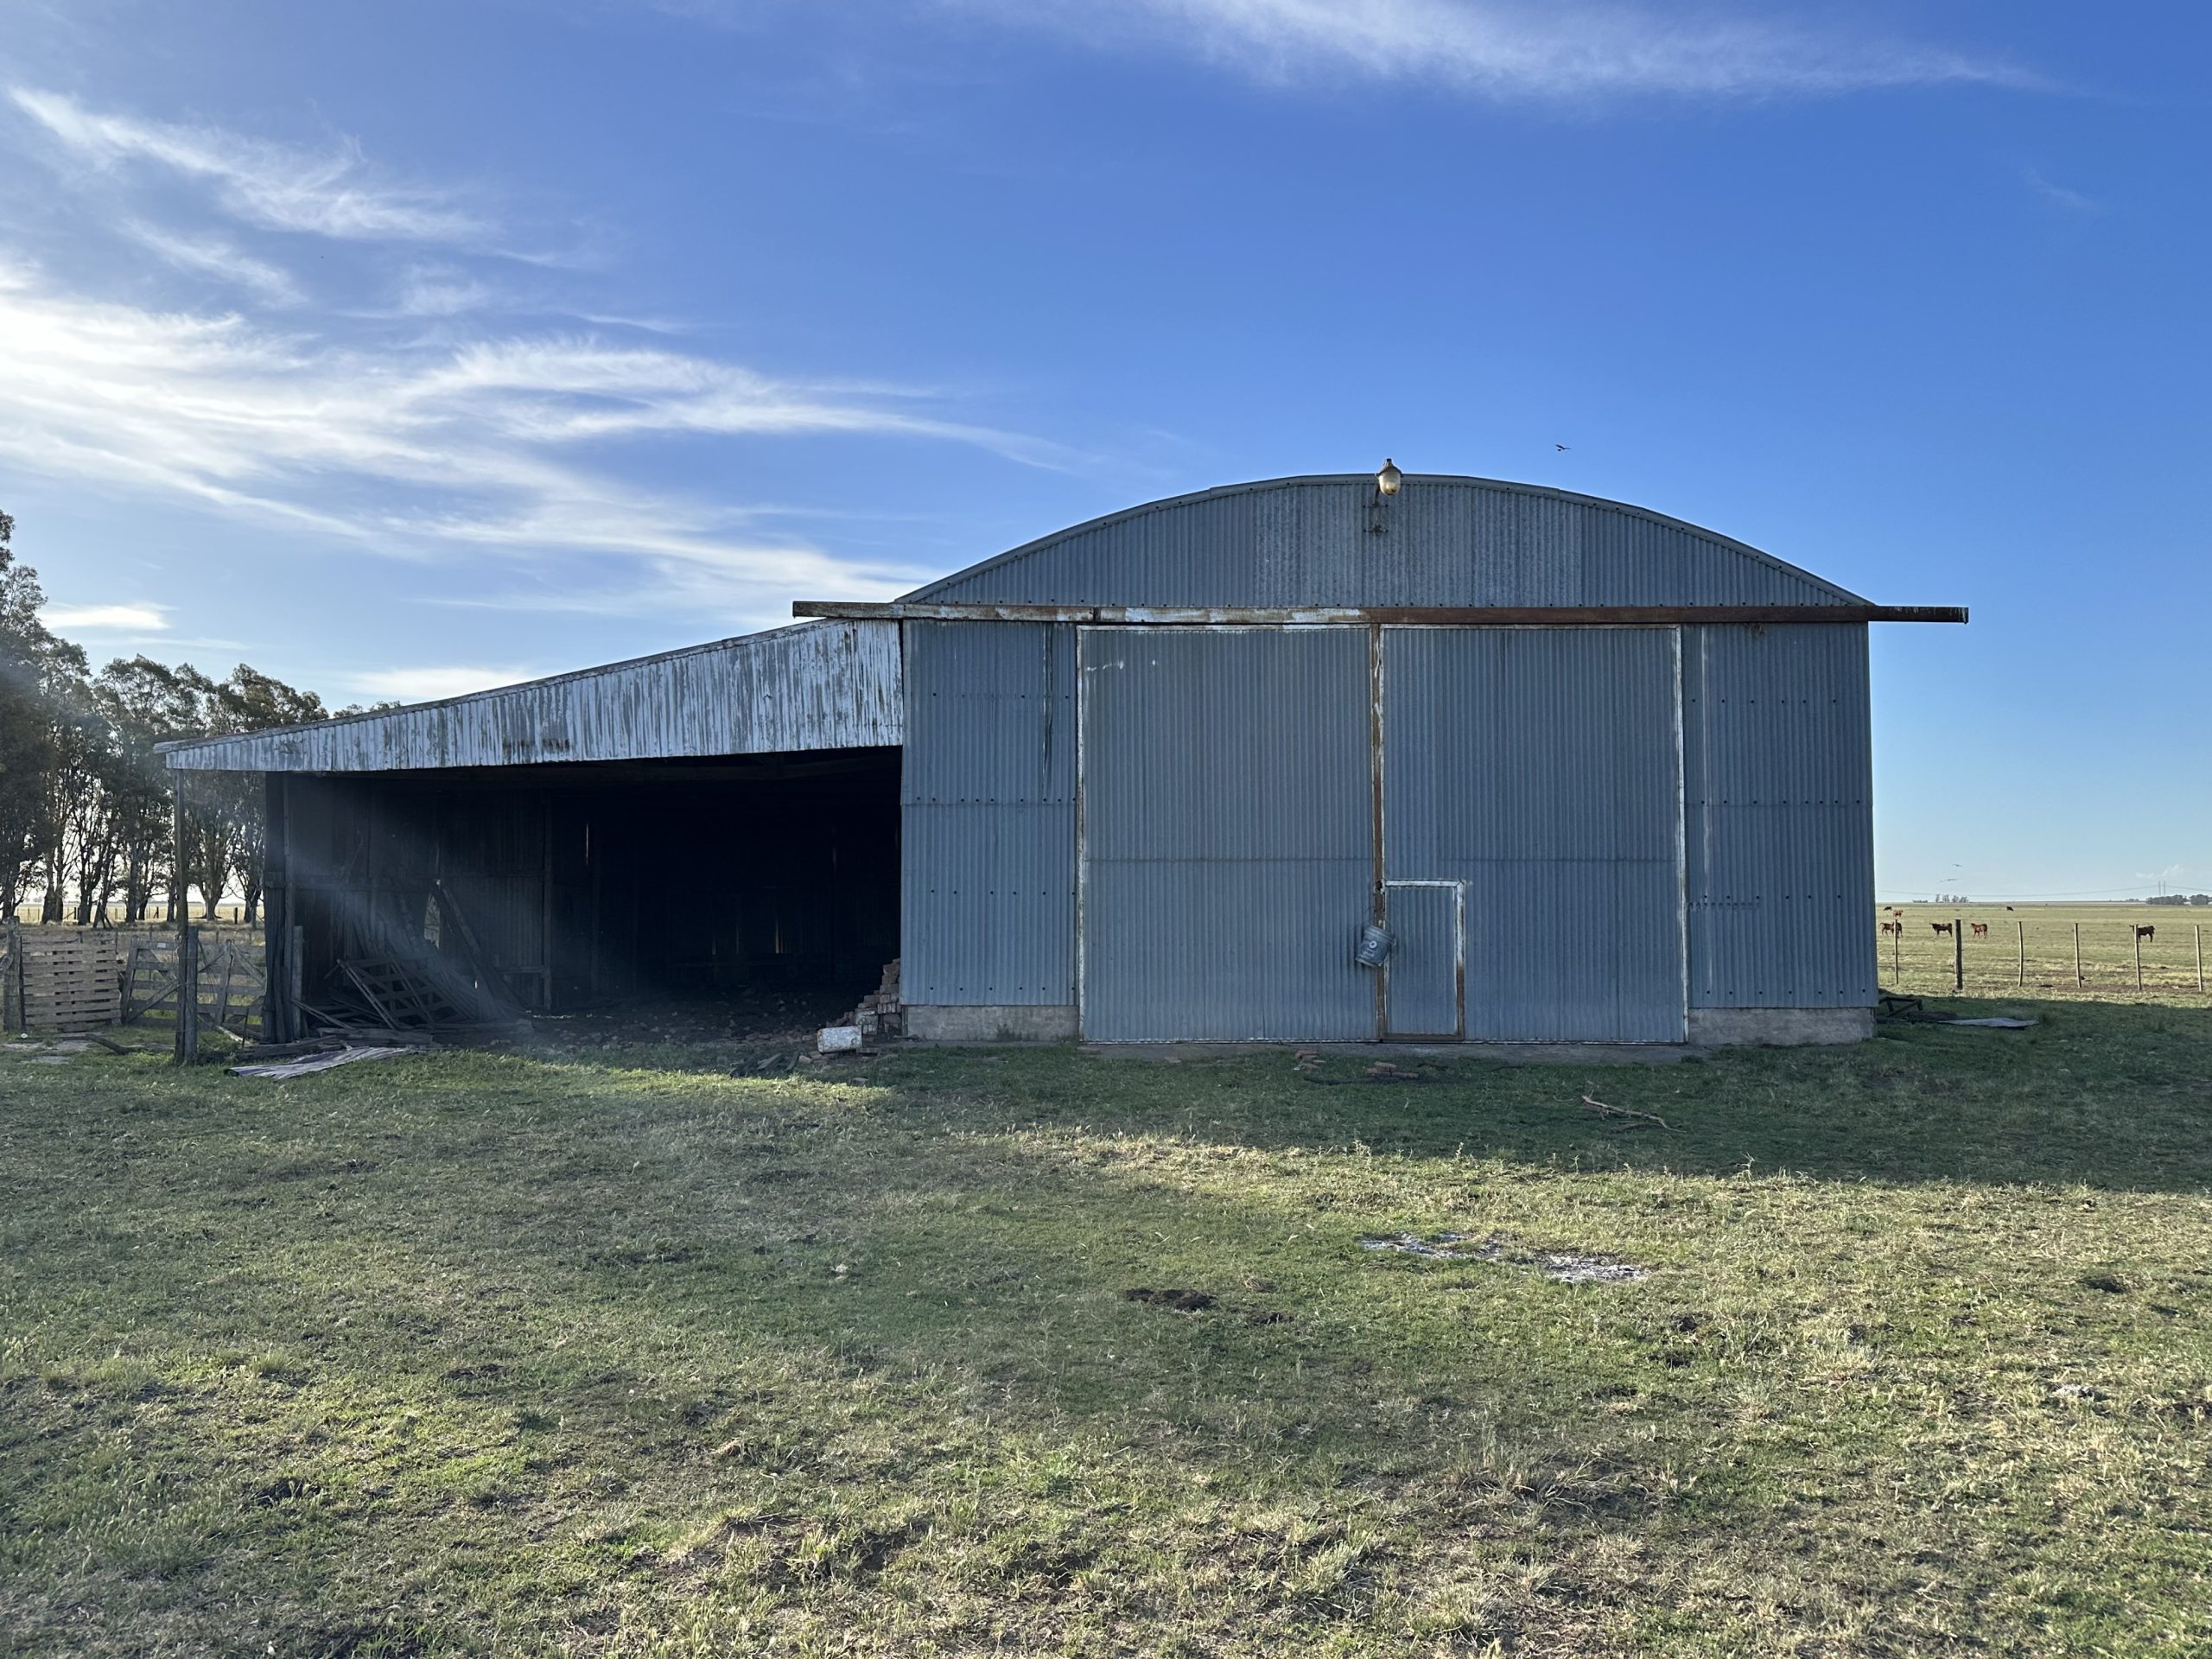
x=276, y=914
x=2077, y=953
x=1897, y=956
x=2198, y=930
x=2021, y=929
x=546, y=894
x=1958, y=953
x=2138, y=955
x=187, y=997
x=1378, y=910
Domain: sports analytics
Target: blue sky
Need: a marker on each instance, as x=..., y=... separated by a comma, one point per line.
x=403, y=349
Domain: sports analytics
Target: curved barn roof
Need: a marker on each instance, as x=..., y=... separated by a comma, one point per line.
x=1445, y=541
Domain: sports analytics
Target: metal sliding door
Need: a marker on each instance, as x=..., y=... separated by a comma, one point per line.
x=1541, y=767
x=1228, y=834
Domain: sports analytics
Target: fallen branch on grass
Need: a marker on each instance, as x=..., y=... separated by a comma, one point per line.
x=1604, y=1110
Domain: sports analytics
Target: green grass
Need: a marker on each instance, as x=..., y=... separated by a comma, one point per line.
x=617, y=1353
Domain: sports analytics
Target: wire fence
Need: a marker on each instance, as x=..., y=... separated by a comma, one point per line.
x=229, y=914
x=2155, y=952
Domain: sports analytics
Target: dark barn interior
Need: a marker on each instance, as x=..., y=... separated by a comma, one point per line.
x=557, y=888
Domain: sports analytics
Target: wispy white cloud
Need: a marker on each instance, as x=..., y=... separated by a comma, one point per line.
x=475, y=432
x=2073, y=201
x=418, y=684
x=106, y=618
x=502, y=445
x=275, y=186
x=1512, y=48
x=434, y=291
x=211, y=256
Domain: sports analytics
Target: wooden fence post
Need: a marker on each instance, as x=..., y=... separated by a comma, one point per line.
x=223, y=952
x=1958, y=953
x=2139, y=956
x=2021, y=929
x=187, y=996
x=2077, y=953
x=2198, y=928
x=294, y=1022
x=188, y=942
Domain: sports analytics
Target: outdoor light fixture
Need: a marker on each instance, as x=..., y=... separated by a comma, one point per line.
x=1386, y=486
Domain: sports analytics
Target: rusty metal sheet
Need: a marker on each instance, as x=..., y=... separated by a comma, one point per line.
x=1435, y=616
x=822, y=685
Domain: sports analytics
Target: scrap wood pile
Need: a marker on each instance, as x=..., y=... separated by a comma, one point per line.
x=409, y=989
x=367, y=997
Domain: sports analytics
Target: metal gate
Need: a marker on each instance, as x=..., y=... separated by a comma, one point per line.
x=1227, y=834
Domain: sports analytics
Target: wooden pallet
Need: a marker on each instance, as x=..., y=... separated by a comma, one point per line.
x=66, y=978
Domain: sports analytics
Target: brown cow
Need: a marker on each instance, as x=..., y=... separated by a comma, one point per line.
x=1941, y=927
x=2149, y=933
x=1892, y=927
x=1980, y=928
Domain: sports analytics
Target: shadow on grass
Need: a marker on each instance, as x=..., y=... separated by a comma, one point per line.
x=2104, y=1095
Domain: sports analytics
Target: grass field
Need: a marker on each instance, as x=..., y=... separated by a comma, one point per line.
x=1919, y=960
x=615, y=1352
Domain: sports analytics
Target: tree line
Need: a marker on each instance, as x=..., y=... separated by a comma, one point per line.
x=85, y=807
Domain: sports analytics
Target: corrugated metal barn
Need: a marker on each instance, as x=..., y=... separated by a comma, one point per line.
x=1570, y=770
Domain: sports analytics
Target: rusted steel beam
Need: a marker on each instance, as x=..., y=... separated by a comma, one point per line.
x=1437, y=616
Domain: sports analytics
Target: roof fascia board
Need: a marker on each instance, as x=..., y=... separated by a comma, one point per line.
x=1370, y=616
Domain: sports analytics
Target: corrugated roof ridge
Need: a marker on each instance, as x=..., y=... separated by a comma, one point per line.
x=1843, y=595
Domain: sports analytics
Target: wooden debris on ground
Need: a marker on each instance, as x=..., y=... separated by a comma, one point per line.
x=1629, y=1112
x=321, y=1062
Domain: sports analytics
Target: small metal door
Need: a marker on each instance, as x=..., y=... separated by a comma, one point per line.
x=1427, y=962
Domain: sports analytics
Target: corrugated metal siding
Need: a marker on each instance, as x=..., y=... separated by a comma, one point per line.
x=1539, y=766
x=1779, y=762
x=1228, y=834
x=821, y=685
x=1445, y=540
x=988, y=815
